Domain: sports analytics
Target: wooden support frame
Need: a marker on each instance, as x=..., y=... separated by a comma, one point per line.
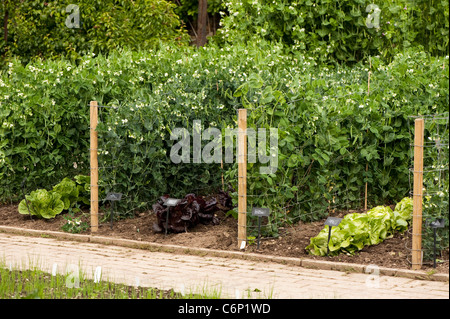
x=417, y=195
x=242, y=178
x=94, y=165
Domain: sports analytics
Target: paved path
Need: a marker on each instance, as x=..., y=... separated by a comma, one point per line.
x=232, y=277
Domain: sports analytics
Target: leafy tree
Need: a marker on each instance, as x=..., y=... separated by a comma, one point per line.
x=59, y=28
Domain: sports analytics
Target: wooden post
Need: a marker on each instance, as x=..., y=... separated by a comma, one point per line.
x=5, y=23
x=94, y=165
x=221, y=168
x=242, y=178
x=417, y=195
x=367, y=164
x=365, y=195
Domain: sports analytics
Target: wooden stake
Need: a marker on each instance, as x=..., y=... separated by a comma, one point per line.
x=221, y=168
x=367, y=164
x=417, y=195
x=242, y=178
x=365, y=196
x=94, y=165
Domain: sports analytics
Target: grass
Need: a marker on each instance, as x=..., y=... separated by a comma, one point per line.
x=34, y=283
x=31, y=282
x=37, y=284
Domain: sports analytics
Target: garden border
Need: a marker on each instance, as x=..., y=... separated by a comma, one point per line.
x=301, y=262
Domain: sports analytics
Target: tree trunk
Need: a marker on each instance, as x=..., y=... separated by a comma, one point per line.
x=5, y=21
x=201, y=23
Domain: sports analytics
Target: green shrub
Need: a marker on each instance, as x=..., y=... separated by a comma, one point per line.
x=329, y=127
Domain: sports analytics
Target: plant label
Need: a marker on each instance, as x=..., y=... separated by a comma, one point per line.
x=182, y=290
x=260, y=211
x=97, y=274
x=333, y=221
x=73, y=276
x=114, y=196
x=137, y=281
x=170, y=202
x=437, y=223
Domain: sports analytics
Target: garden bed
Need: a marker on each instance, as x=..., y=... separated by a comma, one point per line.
x=392, y=253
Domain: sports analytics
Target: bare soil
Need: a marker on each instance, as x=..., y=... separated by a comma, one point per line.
x=391, y=253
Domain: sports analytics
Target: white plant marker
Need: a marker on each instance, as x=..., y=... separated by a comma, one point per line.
x=55, y=266
x=73, y=277
x=237, y=292
x=137, y=281
x=182, y=290
x=97, y=274
x=243, y=244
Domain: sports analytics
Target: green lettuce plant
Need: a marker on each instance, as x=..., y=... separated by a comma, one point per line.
x=42, y=203
x=64, y=196
x=68, y=191
x=403, y=214
x=359, y=230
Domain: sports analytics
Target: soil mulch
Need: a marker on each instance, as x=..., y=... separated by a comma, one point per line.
x=391, y=253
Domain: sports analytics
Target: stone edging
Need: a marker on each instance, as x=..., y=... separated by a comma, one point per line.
x=307, y=263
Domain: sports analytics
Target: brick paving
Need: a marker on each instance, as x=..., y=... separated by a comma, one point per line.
x=192, y=273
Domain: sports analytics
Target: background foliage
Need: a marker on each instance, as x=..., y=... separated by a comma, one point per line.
x=329, y=127
x=38, y=28
x=300, y=66
x=337, y=30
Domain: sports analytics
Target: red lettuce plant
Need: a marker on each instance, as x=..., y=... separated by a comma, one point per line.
x=190, y=211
